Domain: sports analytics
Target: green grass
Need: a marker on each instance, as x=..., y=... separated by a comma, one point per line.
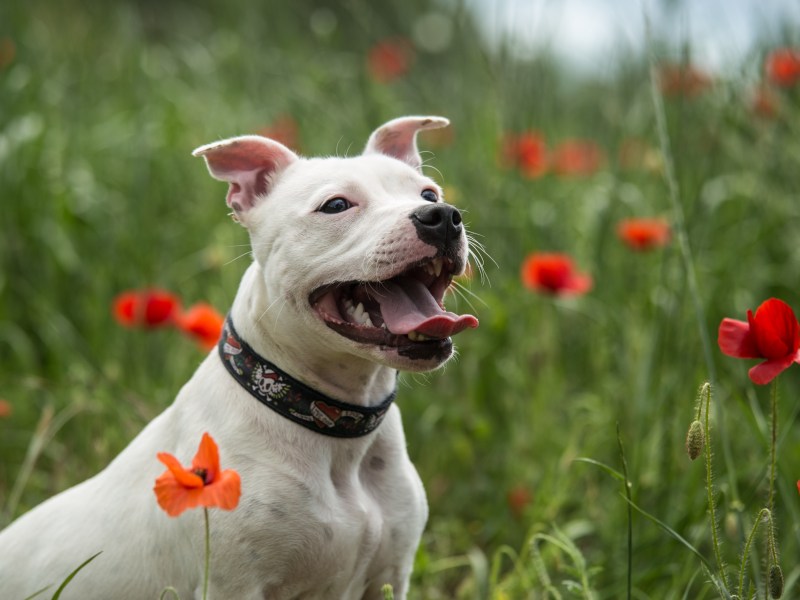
x=99, y=111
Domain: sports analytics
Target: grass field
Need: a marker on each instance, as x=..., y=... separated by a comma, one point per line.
x=519, y=440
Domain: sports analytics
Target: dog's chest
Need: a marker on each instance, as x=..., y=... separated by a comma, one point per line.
x=335, y=532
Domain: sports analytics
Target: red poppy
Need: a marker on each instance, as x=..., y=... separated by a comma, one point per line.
x=5, y=409
x=554, y=273
x=577, y=158
x=202, y=322
x=518, y=499
x=764, y=103
x=390, y=59
x=683, y=80
x=526, y=151
x=283, y=130
x=782, y=66
x=146, y=308
x=7, y=52
x=204, y=484
x=644, y=234
x=773, y=334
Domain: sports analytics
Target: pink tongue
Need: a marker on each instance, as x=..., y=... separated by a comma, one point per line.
x=407, y=305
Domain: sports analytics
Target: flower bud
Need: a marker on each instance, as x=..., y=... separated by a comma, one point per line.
x=695, y=439
x=775, y=581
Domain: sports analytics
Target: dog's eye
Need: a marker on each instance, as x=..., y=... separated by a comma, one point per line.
x=335, y=205
x=429, y=195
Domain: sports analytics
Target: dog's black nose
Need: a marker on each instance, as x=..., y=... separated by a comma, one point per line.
x=437, y=224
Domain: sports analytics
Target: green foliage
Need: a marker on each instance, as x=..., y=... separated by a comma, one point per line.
x=99, y=110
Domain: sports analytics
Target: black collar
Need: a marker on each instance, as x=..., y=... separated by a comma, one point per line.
x=293, y=399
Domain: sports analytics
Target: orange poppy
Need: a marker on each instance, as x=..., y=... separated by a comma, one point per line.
x=5, y=409
x=644, y=234
x=146, y=308
x=202, y=322
x=204, y=484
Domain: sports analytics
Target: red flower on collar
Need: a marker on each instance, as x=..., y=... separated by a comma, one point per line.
x=772, y=333
x=554, y=273
x=204, y=484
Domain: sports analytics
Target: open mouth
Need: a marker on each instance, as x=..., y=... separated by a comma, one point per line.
x=405, y=311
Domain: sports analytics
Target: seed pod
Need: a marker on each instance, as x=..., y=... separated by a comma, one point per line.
x=775, y=581
x=695, y=439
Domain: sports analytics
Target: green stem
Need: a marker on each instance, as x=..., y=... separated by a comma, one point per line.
x=763, y=513
x=208, y=554
x=706, y=391
x=773, y=445
x=630, y=512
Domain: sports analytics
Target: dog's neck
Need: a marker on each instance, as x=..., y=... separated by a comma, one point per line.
x=339, y=375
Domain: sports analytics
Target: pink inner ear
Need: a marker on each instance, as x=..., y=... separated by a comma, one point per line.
x=248, y=164
x=234, y=189
x=245, y=190
x=398, y=138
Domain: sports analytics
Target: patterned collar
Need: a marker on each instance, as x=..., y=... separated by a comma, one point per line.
x=293, y=399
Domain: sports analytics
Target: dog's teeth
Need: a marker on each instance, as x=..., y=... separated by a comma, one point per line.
x=437, y=266
x=367, y=321
x=416, y=336
x=429, y=269
x=358, y=313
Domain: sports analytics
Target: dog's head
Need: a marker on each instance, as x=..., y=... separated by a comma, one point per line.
x=356, y=253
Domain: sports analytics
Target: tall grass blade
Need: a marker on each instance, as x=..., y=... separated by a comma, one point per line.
x=69, y=578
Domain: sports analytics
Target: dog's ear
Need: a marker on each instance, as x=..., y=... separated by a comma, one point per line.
x=249, y=164
x=398, y=138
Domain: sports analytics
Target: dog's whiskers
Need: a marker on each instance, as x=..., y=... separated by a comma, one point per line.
x=479, y=255
x=266, y=310
x=463, y=291
x=233, y=260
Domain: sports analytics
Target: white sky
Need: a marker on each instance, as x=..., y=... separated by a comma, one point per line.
x=590, y=33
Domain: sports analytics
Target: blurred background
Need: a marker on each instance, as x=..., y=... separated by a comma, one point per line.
x=569, y=119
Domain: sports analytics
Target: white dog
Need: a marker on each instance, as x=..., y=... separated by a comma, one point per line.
x=352, y=259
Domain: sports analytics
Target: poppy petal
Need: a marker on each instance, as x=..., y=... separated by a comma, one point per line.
x=207, y=458
x=776, y=329
x=225, y=492
x=181, y=475
x=173, y=497
x=578, y=284
x=768, y=370
x=735, y=339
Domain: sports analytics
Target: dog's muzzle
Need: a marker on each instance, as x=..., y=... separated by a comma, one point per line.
x=405, y=310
